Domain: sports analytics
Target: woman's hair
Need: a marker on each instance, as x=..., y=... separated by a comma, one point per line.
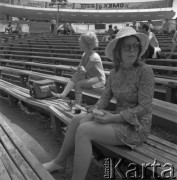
x=117, y=53
x=90, y=39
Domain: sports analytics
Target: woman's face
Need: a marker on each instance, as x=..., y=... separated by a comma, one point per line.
x=129, y=51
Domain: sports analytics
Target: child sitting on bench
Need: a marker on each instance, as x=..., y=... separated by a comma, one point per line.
x=89, y=73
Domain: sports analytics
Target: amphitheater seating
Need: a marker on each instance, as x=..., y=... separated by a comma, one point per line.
x=23, y=62
x=154, y=149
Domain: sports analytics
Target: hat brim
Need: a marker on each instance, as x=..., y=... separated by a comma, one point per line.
x=144, y=40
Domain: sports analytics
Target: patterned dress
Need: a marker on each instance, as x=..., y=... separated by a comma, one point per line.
x=133, y=90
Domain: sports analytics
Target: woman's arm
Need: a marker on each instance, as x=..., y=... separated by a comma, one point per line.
x=145, y=97
x=107, y=94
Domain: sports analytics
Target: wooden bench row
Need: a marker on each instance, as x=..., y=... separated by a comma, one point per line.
x=34, y=45
x=166, y=90
x=165, y=47
x=5, y=49
x=155, y=150
x=76, y=37
x=72, y=49
x=160, y=70
x=63, y=39
x=58, y=66
x=16, y=161
x=161, y=108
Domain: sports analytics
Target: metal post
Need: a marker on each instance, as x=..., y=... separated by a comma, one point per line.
x=57, y=15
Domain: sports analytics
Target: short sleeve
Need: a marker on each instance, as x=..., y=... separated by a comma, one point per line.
x=95, y=57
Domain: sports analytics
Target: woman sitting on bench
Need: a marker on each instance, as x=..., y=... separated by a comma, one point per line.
x=131, y=82
x=90, y=72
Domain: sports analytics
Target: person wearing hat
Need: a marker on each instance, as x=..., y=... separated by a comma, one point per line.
x=131, y=83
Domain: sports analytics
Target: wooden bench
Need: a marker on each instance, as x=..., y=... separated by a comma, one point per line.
x=162, y=85
x=45, y=45
x=155, y=149
x=50, y=50
x=161, y=109
x=16, y=161
x=164, y=47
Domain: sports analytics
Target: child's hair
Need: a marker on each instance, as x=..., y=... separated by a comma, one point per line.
x=90, y=39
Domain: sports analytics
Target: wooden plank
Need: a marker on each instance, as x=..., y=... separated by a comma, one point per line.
x=164, y=142
x=18, y=160
x=3, y=173
x=30, y=158
x=133, y=156
x=159, y=146
x=60, y=115
x=152, y=152
x=12, y=170
x=162, y=153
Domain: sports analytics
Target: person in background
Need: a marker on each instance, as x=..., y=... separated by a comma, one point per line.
x=60, y=29
x=165, y=27
x=151, y=27
x=66, y=28
x=90, y=73
x=115, y=32
x=18, y=29
x=70, y=29
x=153, y=48
x=108, y=35
x=8, y=29
x=52, y=25
x=173, y=26
x=131, y=83
x=174, y=45
x=135, y=25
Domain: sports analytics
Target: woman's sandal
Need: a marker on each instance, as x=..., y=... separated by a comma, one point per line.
x=52, y=166
x=59, y=96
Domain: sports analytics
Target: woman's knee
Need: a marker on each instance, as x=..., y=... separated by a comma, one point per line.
x=85, y=130
x=77, y=118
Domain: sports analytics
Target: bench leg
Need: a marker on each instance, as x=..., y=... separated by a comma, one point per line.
x=171, y=93
x=10, y=100
x=56, y=125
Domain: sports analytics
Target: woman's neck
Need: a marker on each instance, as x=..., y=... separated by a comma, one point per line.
x=88, y=51
x=127, y=66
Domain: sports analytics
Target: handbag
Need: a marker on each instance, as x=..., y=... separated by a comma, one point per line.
x=42, y=88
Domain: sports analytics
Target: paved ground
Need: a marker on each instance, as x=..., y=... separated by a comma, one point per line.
x=35, y=132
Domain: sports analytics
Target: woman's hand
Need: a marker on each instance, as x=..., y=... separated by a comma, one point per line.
x=91, y=108
x=81, y=70
x=106, y=117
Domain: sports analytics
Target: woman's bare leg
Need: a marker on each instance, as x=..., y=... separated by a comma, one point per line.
x=68, y=144
x=87, y=132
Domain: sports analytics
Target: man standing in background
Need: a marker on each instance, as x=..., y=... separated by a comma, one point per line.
x=52, y=25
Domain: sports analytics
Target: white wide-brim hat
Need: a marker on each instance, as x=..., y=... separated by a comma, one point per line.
x=128, y=31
